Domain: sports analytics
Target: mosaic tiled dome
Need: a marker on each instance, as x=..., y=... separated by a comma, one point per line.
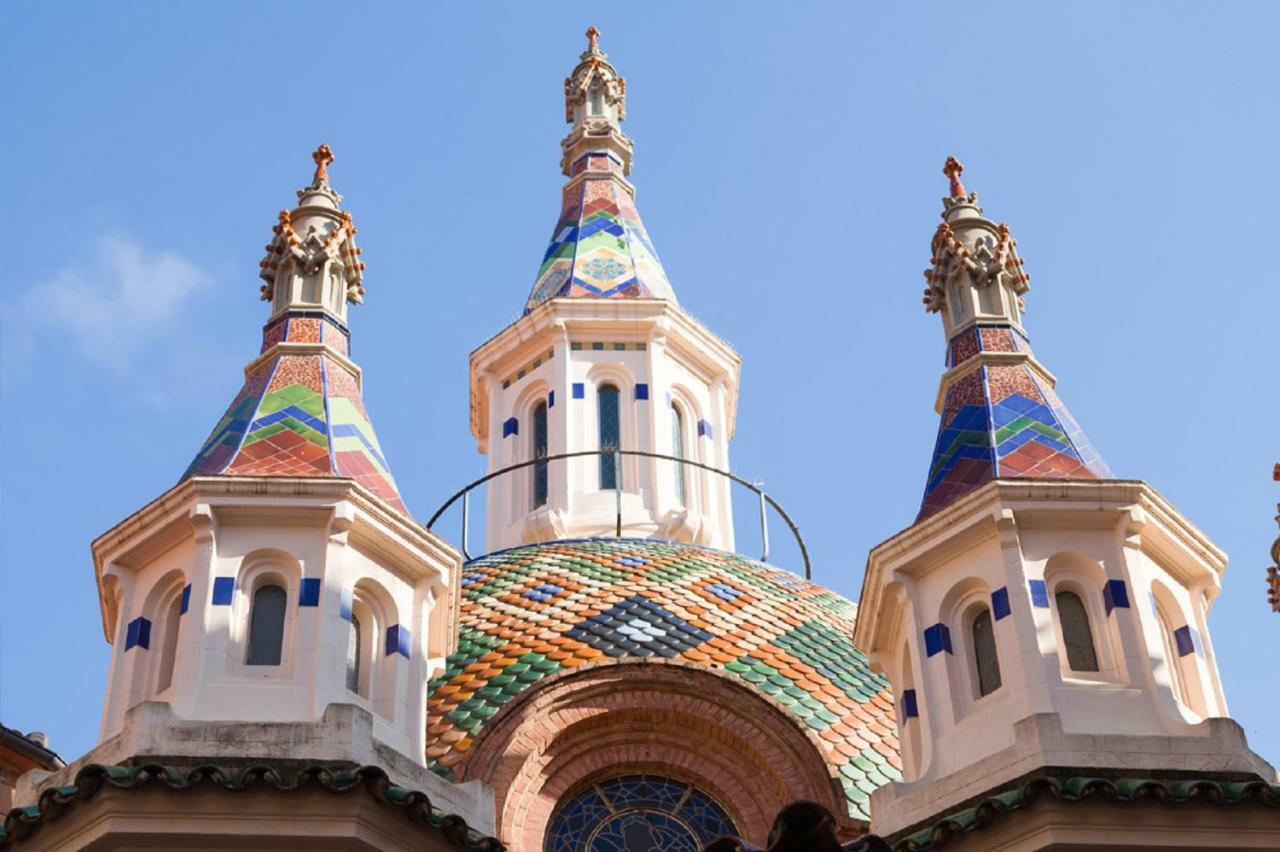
x=531, y=612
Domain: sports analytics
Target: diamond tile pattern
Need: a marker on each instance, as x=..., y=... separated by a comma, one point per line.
x=539, y=610
x=1002, y=420
x=299, y=415
x=600, y=248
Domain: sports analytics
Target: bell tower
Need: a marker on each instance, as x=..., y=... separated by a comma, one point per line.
x=1040, y=614
x=604, y=358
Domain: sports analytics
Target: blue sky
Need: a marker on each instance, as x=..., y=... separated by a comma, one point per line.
x=788, y=163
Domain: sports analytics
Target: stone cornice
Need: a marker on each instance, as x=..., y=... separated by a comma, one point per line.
x=1044, y=503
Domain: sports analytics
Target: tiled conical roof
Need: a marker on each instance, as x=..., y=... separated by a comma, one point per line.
x=300, y=411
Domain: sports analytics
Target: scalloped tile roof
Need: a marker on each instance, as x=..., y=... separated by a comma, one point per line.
x=537, y=610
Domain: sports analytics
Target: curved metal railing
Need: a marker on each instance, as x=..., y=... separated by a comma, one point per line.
x=765, y=500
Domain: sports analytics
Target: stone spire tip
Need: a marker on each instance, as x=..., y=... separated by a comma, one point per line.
x=322, y=157
x=953, y=169
x=593, y=39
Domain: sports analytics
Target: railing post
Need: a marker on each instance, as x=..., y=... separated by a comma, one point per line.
x=617, y=491
x=466, y=506
x=764, y=524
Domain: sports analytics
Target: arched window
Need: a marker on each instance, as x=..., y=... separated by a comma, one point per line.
x=169, y=648
x=677, y=450
x=1076, y=634
x=637, y=812
x=610, y=435
x=353, y=654
x=540, y=452
x=266, y=626
x=985, y=660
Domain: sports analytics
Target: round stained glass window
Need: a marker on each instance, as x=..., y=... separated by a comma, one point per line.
x=637, y=813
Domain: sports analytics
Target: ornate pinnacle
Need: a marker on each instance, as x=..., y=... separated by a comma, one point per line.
x=593, y=40
x=323, y=157
x=953, y=169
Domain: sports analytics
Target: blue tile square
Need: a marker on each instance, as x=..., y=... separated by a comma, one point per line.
x=1114, y=594
x=344, y=605
x=1182, y=636
x=1039, y=594
x=186, y=600
x=642, y=391
x=551, y=399
x=1000, y=602
x=910, y=709
x=224, y=589
x=579, y=390
x=309, y=594
x=704, y=429
x=937, y=639
x=398, y=640
x=138, y=634
x=510, y=426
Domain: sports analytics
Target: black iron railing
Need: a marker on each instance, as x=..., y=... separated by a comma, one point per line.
x=765, y=500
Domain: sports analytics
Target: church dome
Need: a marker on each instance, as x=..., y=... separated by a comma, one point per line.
x=539, y=612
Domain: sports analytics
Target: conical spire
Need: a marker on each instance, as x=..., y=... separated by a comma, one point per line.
x=600, y=248
x=1001, y=417
x=300, y=412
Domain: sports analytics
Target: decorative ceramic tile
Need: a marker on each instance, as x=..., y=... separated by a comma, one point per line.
x=533, y=611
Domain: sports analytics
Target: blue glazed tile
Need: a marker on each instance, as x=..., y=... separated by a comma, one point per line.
x=1114, y=594
x=704, y=429
x=1182, y=636
x=186, y=600
x=1000, y=602
x=1039, y=594
x=510, y=426
x=398, y=640
x=224, y=589
x=937, y=639
x=551, y=399
x=344, y=605
x=138, y=634
x=642, y=391
x=579, y=390
x=910, y=709
x=309, y=594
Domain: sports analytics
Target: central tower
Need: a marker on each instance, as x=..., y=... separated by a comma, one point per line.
x=603, y=359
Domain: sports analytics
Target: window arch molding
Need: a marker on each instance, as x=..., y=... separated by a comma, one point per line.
x=599, y=376
x=1079, y=574
x=960, y=608
x=374, y=610
x=695, y=479
x=154, y=674
x=1182, y=669
x=258, y=569
x=521, y=450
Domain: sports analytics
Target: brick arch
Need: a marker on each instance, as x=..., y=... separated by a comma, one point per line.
x=647, y=716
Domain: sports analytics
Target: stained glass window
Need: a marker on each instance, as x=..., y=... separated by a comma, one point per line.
x=637, y=813
x=1076, y=635
x=984, y=654
x=539, y=452
x=266, y=626
x=610, y=435
x=677, y=449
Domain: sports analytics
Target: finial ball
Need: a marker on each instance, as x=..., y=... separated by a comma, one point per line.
x=323, y=157
x=593, y=38
x=952, y=169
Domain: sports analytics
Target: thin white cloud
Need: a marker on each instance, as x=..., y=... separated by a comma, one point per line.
x=109, y=305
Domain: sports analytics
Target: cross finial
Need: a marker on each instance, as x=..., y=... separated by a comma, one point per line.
x=593, y=39
x=323, y=157
x=953, y=169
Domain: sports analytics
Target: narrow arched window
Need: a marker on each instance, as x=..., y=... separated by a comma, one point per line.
x=610, y=435
x=353, y=654
x=169, y=650
x=985, y=659
x=266, y=626
x=677, y=450
x=540, y=452
x=1076, y=635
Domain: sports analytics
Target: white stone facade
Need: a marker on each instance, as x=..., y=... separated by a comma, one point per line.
x=179, y=581
x=560, y=356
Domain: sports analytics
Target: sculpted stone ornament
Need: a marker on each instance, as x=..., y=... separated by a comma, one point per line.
x=953, y=168
x=323, y=157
